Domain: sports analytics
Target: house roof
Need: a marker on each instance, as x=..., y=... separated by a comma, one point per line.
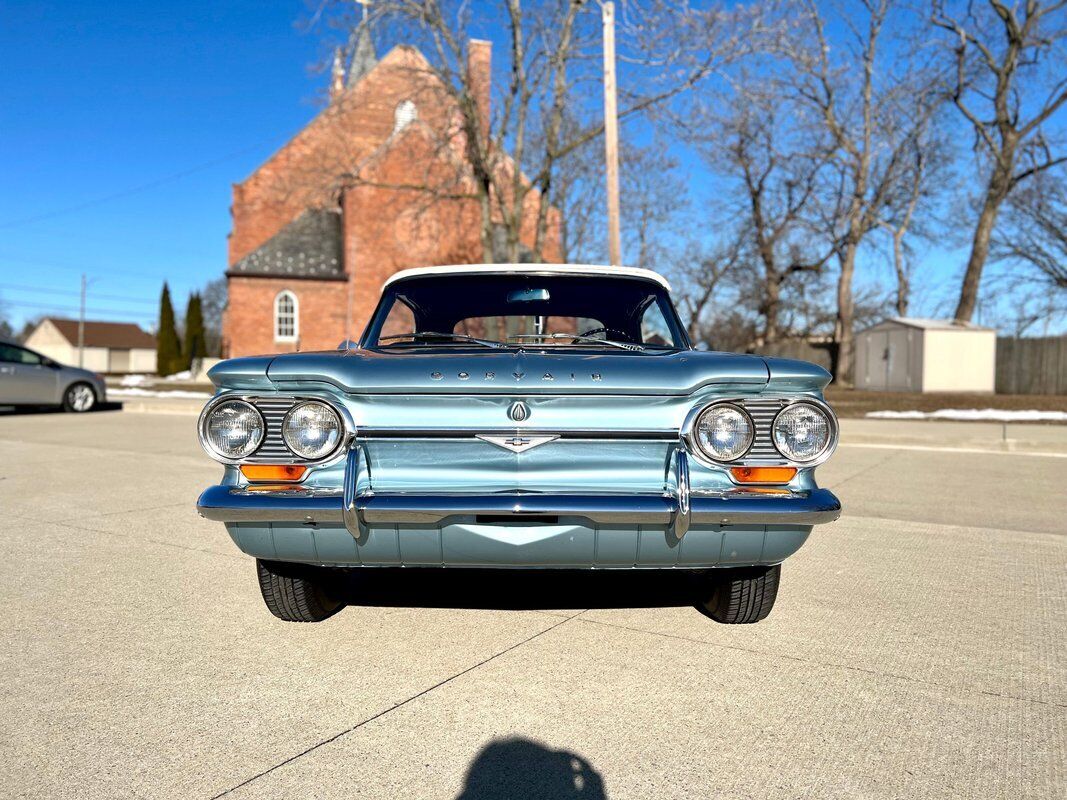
x=114, y=335
x=935, y=324
x=308, y=247
x=532, y=269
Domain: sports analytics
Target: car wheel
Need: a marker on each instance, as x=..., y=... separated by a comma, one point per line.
x=79, y=397
x=294, y=592
x=741, y=596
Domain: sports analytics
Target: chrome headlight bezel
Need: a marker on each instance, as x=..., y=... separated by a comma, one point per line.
x=763, y=436
x=205, y=417
x=831, y=424
x=342, y=430
x=694, y=439
x=272, y=433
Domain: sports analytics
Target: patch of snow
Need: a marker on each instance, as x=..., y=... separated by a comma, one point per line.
x=184, y=375
x=135, y=380
x=134, y=392
x=975, y=415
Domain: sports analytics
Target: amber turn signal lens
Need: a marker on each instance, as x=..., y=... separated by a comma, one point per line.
x=273, y=472
x=763, y=474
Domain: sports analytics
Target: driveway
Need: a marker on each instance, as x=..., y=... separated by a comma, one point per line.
x=918, y=648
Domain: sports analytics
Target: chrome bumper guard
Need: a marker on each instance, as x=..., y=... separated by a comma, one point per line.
x=359, y=507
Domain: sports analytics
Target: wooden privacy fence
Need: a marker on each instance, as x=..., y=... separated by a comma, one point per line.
x=1032, y=365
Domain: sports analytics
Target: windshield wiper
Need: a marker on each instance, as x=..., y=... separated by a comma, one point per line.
x=457, y=337
x=578, y=337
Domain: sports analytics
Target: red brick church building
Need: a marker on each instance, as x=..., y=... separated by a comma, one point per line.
x=311, y=246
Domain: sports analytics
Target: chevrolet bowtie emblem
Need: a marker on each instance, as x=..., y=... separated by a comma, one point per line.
x=518, y=444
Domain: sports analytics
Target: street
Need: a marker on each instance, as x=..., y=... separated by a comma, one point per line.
x=918, y=648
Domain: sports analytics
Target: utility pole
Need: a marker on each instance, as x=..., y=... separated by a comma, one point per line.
x=81, y=327
x=611, y=133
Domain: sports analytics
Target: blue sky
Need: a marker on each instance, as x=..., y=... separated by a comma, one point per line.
x=165, y=103
x=123, y=126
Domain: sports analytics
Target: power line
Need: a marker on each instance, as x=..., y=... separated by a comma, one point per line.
x=144, y=187
x=71, y=292
x=66, y=265
x=124, y=312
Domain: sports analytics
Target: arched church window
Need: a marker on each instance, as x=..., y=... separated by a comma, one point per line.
x=286, y=317
x=406, y=113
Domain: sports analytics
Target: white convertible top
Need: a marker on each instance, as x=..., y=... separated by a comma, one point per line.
x=530, y=269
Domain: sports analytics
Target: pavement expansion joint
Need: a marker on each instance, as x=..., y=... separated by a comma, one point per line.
x=395, y=706
x=830, y=664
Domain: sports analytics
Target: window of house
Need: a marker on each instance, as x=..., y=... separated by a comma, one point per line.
x=406, y=113
x=286, y=317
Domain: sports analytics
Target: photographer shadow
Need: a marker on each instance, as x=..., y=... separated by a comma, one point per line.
x=508, y=769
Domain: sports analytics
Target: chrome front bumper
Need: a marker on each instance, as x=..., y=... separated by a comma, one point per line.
x=358, y=507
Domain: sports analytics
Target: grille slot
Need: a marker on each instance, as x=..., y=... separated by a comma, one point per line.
x=273, y=449
x=763, y=411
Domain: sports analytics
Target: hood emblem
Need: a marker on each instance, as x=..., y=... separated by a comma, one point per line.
x=519, y=412
x=518, y=444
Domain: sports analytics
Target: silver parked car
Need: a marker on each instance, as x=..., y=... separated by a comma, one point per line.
x=28, y=378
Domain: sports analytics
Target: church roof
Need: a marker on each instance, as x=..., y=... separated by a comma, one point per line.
x=308, y=247
x=364, y=58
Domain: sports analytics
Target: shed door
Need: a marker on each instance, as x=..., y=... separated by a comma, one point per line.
x=898, y=372
x=877, y=356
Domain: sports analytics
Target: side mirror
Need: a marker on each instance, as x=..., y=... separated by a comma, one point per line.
x=51, y=364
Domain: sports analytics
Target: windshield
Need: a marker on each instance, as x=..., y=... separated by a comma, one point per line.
x=544, y=311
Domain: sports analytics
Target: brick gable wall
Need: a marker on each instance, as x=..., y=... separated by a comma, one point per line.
x=384, y=228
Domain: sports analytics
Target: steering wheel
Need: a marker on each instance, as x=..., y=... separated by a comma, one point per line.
x=591, y=331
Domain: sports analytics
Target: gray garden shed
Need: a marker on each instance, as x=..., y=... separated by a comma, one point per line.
x=908, y=354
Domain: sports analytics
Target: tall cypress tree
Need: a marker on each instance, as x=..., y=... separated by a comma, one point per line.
x=168, y=347
x=195, y=338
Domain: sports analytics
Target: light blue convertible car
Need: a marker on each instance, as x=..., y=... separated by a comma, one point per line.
x=531, y=416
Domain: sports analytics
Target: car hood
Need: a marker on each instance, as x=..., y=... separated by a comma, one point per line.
x=504, y=372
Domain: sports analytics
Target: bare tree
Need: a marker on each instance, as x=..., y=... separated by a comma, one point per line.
x=870, y=112
x=913, y=207
x=1034, y=232
x=547, y=107
x=213, y=304
x=1009, y=81
x=757, y=139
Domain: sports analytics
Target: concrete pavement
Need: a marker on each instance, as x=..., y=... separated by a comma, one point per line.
x=917, y=648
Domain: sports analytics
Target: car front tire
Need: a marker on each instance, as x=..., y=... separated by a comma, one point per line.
x=79, y=398
x=741, y=596
x=295, y=593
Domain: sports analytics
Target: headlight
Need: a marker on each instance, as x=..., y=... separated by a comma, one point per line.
x=312, y=430
x=232, y=429
x=723, y=432
x=802, y=432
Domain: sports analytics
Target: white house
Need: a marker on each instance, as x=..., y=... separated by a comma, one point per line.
x=114, y=347
x=907, y=354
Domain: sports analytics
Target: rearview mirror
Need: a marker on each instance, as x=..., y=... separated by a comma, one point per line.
x=528, y=295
